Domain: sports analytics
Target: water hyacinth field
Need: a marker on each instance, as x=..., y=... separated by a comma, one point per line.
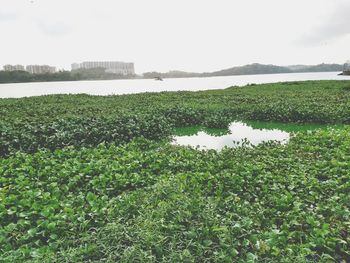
x=100, y=179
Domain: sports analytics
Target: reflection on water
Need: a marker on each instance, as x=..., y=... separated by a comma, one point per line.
x=255, y=132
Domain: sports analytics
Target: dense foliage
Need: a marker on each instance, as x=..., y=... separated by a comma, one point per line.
x=81, y=74
x=29, y=137
x=98, y=74
x=60, y=120
x=307, y=101
x=146, y=202
x=24, y=76
x=89, y=178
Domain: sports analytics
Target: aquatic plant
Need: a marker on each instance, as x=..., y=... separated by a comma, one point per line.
x=90, y=179
x=55, y=121
x=149, y=201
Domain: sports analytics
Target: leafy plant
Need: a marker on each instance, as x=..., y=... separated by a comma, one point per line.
x=56, y=121
x=90, y=179
x=152, y=201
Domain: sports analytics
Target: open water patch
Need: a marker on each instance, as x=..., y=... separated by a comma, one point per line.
x=238, y=133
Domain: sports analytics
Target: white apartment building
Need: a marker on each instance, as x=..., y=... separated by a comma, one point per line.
x=40, y=69
x=122, y=68
x=13, y=67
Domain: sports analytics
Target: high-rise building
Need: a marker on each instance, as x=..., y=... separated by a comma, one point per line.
x=13, y=67
x=40, y=69
x=121, y=68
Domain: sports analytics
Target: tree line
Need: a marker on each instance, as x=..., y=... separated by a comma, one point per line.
x=63, y=75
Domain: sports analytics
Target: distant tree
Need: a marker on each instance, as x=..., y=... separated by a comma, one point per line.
x=62, y=75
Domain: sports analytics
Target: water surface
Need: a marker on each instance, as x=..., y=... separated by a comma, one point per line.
x=252, y=132
x=129, y=86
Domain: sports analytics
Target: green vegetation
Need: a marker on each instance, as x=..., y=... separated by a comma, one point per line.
x=56, y=121
x=81, y=74
x=193, y=130
x=88, y=178
x=291, y=127
x=152, y=202
x=97, y=74
x=24, y=76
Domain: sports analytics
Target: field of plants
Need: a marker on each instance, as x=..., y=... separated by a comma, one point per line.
x=95, y=179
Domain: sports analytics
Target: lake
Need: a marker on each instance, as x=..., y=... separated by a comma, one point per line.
x=252, y=132
x=112, y=87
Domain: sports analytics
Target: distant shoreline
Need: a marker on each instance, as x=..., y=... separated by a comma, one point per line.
x=100, y=74
x=165, y=77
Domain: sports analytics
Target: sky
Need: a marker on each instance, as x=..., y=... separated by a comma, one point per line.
x=163, y=35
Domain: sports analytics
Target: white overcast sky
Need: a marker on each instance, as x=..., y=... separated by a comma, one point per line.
x=162, y=35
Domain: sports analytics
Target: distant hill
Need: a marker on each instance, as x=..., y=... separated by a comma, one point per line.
x=250, y=69
x=316, y=68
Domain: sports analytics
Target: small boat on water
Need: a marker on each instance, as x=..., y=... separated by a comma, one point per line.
x=158, y=78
